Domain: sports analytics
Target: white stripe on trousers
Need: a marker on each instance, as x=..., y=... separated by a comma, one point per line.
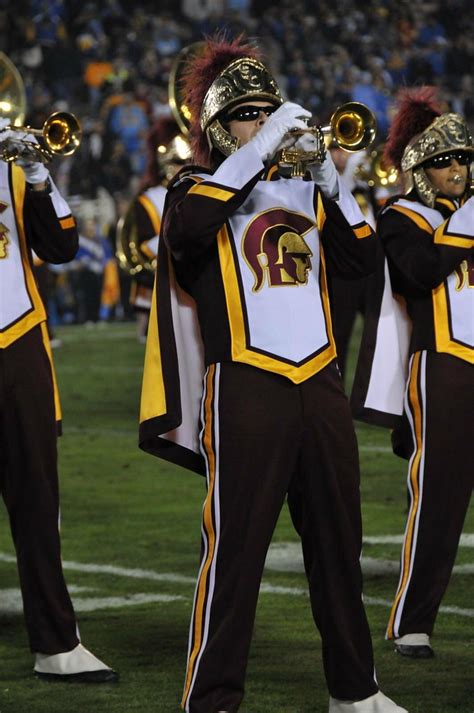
x=421, y=473
x=212, y=571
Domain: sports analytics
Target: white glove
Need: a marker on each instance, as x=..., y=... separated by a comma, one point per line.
x=273, y=135
x=325, y=175
x=35, y=171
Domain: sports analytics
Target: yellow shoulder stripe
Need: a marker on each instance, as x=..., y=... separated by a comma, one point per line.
x=421, y=222
x=218, y=194
x=456, y=241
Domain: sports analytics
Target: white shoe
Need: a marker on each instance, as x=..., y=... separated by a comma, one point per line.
x=414, y=646
x=378, y=703
x=76, y=665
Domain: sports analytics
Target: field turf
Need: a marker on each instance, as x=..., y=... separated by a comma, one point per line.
x=130, y=536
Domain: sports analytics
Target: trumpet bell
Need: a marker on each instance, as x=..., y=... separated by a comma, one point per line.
x=353, y=126
x=62, y=133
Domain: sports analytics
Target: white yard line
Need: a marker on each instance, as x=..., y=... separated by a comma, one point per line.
x=10, y=599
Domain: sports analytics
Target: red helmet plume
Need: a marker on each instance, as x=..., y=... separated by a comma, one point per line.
x=418, y=108
x=200, y=73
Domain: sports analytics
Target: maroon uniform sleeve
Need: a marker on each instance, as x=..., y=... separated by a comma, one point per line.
x=198, y=206
x=54, y=239
x=417, y=263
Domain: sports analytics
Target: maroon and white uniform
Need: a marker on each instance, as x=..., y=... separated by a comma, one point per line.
x=430, y=255
x=253, y=251
x=148, y=207
x=29, y=405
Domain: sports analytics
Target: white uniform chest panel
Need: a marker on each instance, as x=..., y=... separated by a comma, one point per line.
x=459, y=284
x=157, y=195
x=276, y=250
x=15, y=300
x=460, y=288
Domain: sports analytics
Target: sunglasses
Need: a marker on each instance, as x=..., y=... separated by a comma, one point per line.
x=463, y=158
x=249, y=112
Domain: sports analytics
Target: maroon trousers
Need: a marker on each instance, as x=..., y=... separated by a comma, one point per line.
x=29, y=486
x=265, y=438
x=440, y=480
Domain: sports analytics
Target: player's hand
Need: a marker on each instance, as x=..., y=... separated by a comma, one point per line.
x=325, y=176
x=273, y=136
x=35, y=171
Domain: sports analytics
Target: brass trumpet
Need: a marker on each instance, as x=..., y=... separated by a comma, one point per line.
x=61, y=132
x=352, y=127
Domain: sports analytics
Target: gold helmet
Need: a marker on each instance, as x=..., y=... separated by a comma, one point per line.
x=244, y=79
x=419, y=132
x=222, y=75
x=447, y=132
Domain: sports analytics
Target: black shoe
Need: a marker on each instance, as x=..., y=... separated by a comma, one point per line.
x=104, y=675
x=415, y=652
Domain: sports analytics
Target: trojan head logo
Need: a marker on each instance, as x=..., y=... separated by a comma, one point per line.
x=3, y=241
x=465, y=274
x=3, y=234
x=274, y=248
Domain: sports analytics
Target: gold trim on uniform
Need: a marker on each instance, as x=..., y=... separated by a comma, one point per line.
x=152, y=213
x=153, y=396
x=240, y=352
x=364, y=232
x=442, y=329
x=218, y=194
x=202, y=588
x=47, y=346
x=68, y=222
x=414, y=476
x=37, y=312
x=456, y=241
x=421, y=222
x=320, y=213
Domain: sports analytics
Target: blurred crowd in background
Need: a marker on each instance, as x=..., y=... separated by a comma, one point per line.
x=109, y=62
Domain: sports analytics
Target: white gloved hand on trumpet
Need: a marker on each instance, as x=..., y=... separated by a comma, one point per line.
x=323, y=174
x=273, y=136
x=35, y=171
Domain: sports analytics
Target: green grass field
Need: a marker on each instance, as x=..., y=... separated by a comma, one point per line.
x=130, y=534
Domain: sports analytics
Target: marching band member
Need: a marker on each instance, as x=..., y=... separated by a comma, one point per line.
x=253, y=250
x=34, y=216
x=168, y=150
x=428, y=240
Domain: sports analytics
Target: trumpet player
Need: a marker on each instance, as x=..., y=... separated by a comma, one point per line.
x=253, y=249
x=428, y=239
x=34, y=216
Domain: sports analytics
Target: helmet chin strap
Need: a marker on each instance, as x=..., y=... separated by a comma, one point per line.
x=219, y=138
x=423, y=186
